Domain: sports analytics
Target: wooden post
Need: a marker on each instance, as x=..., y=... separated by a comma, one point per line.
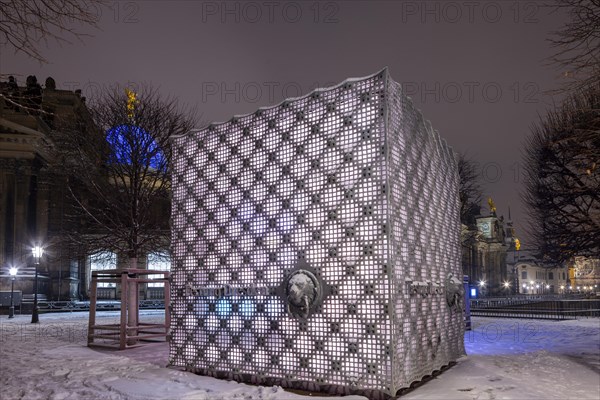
x=124, y=296
x=132, y=308
x=167, y=297
x=129, y=331
x=92, y=318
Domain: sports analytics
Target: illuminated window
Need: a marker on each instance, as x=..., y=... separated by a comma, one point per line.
x=160, y=261
x=101, y=261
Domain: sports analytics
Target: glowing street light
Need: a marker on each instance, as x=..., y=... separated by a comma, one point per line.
x=37, y=253
x=13, y=274
x=506, y=285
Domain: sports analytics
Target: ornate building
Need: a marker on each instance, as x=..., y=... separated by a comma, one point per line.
x=531, y=276
x=584, y=275
x=32, y=197
x=35, y=205
x=497, y=266
x=484, y=249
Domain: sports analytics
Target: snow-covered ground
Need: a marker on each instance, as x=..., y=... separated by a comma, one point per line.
x=507, y=359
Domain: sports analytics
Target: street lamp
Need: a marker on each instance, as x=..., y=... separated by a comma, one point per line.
x=482, y=287
x=13, y=273
x=37, y=252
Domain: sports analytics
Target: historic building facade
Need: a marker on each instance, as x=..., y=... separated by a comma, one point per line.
x=497, y=266
x=34, y=199
x=531, y=276
x=584, y=275
x=484, y=249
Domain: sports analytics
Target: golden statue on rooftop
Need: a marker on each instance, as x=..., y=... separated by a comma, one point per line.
x=492, y=205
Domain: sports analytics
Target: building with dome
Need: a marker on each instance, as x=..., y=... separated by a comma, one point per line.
x=34, y=199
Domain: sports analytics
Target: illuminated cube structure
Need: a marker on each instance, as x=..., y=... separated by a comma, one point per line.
x=316, y=244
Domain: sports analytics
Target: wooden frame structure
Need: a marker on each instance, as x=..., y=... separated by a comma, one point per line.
x=129, y=331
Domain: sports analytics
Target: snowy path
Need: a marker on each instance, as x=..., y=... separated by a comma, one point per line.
x=507, y=359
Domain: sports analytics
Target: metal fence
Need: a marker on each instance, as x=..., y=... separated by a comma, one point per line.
x=536, y=308
x=101, y=305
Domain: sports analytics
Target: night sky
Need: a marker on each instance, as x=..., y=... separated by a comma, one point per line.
x=476, y=69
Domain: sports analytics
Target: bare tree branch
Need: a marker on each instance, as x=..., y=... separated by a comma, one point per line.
x=577, y=44
x=470, y=190
x=119, y=176
x=563, y=178
x=26, y=25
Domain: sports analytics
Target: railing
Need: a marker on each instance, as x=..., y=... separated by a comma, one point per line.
x=155, y=293
x=107, y=293
x=536, y=309
x=101, y=305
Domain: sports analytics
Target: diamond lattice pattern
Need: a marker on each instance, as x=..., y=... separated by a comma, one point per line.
x=351, y=181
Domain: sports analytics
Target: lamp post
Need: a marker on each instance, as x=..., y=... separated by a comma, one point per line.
x=37, y=252
x=13, y=274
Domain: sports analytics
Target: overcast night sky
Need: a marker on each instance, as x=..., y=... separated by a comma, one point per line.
x=476, y=69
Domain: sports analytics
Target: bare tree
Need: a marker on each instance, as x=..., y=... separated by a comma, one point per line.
x=27, y=24
x=470, y=190
x=118, y=177
x=563, y=180
x=577, y=44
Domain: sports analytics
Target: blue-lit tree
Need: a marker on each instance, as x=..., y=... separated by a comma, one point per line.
x=119, y=178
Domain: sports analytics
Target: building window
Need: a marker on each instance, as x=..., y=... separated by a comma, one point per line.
x=103, y=260
x=551, y=276
x=160, y=261
x=564, y=277
x=523, y=274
